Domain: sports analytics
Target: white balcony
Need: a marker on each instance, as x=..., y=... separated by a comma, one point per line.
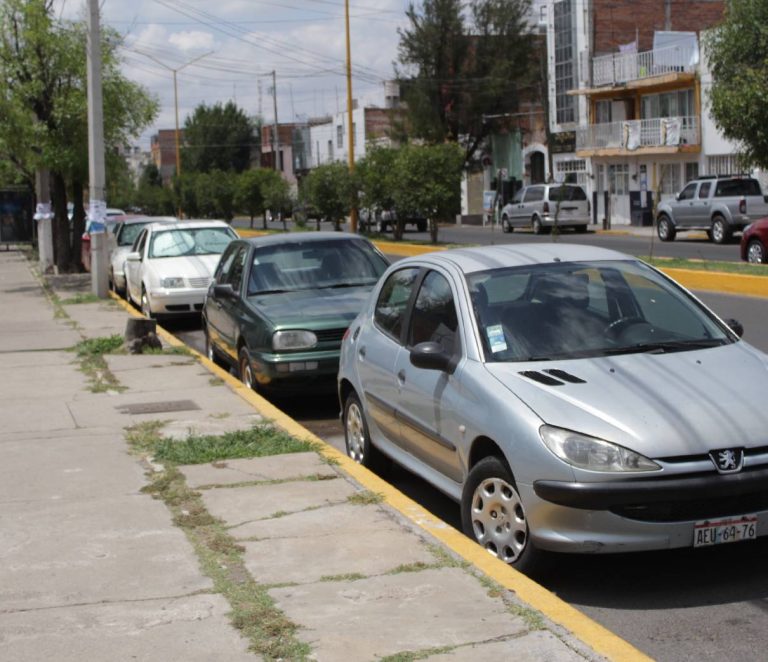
x=621, y=68
x=631, y=135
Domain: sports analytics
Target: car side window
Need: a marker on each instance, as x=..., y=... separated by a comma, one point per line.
x=704, y=190
x=534, y=194
x=688, y=192
x=434, y=316
x=393, y=301
x=518, y=196
x=138, y=247
x=225, y=264
x=235, y=276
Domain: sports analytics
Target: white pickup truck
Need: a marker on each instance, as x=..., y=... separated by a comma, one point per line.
x=718, y=204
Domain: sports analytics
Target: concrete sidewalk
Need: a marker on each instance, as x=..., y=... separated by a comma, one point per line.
x=290, y=556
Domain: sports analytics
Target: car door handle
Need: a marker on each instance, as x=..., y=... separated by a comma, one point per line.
x=361, y=352
x=401, y=377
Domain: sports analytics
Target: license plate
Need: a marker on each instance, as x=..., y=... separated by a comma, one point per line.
x=718, y=532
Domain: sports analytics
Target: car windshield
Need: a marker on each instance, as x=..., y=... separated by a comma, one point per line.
x=190, y=241
x=574, y=310
x=128, y=232
x=331, y=263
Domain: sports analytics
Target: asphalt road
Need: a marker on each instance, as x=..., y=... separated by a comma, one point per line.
x=676, y=605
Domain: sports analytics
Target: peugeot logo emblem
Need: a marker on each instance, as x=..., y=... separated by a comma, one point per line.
x=727, y=460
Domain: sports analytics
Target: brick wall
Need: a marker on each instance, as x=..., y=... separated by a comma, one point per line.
x=618, y=21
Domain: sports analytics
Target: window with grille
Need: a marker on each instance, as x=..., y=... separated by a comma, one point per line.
x=565, y=61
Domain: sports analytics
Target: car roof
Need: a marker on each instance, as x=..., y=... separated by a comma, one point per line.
x=299, y=237
x=182, y=225
x=483, y=258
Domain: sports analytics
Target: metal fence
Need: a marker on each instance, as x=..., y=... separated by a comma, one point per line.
x=633, y=134
x=624, y=67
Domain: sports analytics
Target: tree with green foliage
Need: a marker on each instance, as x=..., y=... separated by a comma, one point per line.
x=277, y=195
x=427, y=182
x=459, y=66
x=330, y=189
x=44, y=107
x=218, y=137
x=249, y=192
x=215, y=193
x=375, y=175
x=151, y=197
x=737, y=52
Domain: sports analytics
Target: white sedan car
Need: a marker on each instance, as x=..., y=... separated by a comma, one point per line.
x=171, y=265
x=125, y=236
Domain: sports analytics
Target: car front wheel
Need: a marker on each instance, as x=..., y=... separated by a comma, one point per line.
x=492, y=513
x=665, y=229
x=505, y=225
x=756, y=253
x=536, y=225
x=246, y=368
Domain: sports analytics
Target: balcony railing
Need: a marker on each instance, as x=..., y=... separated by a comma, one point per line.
x=635, y=134
x=625, y=67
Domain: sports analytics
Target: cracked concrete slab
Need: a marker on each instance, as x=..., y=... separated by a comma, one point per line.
x=119, y=363
x=59, y=381
x=35, y=415
x=274, y=467
x=74, y=467
x=182, y=429
x=24, y=360
x=105, y=549
x=96, y=319
x=532, y=647
x=308, y=558
x=166, y=378
x=196, y=625
x=238, y=505
x=385, y=615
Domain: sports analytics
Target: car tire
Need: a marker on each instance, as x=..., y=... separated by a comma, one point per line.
x=357, y=439
x=210, y=349
x=146, y=307
x=536, y=225
x=665, y=229
x=756, y=252
x=245, y=368
x=421, y=226
x=721, y=231
x=505, y=225
x=492, y=514
x=581, y=229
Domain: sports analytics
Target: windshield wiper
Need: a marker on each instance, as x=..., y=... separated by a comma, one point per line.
x=253, y=294
x=340, y=285
x=664, y=346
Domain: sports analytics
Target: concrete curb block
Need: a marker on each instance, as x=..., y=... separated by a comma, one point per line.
x=594, y=635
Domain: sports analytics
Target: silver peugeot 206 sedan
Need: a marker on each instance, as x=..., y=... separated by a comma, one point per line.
x=571, y=399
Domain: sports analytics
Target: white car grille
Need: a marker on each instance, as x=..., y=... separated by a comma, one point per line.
x=198, y=282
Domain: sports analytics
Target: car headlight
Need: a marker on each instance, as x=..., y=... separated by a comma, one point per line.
x=293, y=340
x=172, y=282
x=593, y=454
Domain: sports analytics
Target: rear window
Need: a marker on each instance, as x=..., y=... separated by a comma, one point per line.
x=567, y=194
x=733, y=187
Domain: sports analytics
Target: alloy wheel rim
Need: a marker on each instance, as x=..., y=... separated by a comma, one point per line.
x=209, y=348
x=663, y=229
x=247, y=373
x=717, y=232
x=755, y=253
x=355, y=433
x=145, y=309
x=498, y=519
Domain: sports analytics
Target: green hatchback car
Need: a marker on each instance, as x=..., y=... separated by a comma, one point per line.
x=278, y=306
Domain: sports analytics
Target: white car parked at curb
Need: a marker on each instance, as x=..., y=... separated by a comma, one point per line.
x=125, y=236
x=171, y=265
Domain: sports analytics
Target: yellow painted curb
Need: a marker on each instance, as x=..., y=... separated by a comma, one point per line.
x=245, y=233
x=594, y=635
x=398, y=248
x=718, y=281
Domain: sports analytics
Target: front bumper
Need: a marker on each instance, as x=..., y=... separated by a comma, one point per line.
x=177, y=301
x=639, y=514
x=298, y=371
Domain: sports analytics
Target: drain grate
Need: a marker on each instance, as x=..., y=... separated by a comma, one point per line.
x=157, y=407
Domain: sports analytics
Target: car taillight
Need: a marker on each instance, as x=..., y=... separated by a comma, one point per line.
x=346, y=333
x=546, y=208
x=743, y=206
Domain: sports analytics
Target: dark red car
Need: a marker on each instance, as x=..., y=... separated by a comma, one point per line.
x=754, y=242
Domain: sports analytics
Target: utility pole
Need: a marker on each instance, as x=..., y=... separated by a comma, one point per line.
x=275, y=134
x=97, y=206
x=350, y=123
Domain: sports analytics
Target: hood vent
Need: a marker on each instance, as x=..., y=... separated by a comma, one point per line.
x=554, y=377
x=566, y=376
x=541, y=378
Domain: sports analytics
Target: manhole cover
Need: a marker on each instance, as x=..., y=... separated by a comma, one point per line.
x=158, y=407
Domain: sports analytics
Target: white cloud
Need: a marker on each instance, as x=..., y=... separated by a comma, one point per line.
x=192, y=40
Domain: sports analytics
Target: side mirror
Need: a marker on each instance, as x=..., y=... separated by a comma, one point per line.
x=735, y=326
x=133, y=256
x=430, y=356
x=677, y=196
x=224, y=291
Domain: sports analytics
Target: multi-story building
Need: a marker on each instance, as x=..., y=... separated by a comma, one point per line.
x=163, y=148
x=627, y=112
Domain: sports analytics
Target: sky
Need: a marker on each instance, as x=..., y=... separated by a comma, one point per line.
x=242, y=42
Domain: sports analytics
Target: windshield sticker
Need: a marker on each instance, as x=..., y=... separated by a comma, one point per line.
x=496, y=338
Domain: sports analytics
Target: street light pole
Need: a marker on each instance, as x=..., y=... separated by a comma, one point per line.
x=176, y=104
x=350, y=124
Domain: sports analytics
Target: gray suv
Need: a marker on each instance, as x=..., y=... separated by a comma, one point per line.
x=718, y=204
x=542, y=206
